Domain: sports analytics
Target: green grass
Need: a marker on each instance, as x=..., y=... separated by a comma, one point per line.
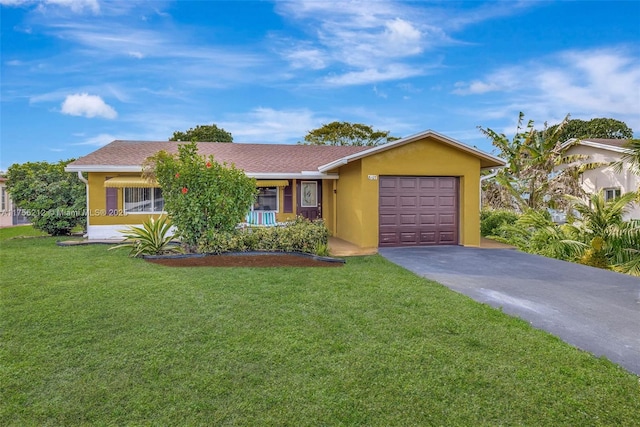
x=92, y=337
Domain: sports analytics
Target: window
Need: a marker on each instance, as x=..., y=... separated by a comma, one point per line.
x=309, y=194
x=143, y=200
x=267, y=199
x=611, y=193
x=3, y=200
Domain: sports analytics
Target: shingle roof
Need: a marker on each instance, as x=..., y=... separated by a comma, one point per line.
x=252, y=158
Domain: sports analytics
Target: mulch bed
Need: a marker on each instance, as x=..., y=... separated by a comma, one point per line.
x=247, y=260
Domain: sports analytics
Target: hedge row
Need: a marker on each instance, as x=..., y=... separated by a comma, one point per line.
x=300, y=235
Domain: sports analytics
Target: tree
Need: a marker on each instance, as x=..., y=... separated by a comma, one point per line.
x=594, y=128
x=55, y=201
x=205, y=133
x=538, y=172
x=345, y=133
x=200, y=194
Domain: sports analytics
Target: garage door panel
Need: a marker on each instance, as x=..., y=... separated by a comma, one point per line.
x=407, y=184
x=428, y=237
x=388, y=202
x=388, y=238
x=388, y=184
x=388, y=219
x=427, y=183
x=446, y=183
x=446, y=201
x=447, y=219
x=447, y=238
x=409, y=237
x=428, y=201
x=408, y=219
x=428, y=219
x=418, y=211
x=408, y=202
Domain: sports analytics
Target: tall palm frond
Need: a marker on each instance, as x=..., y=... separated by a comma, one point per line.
x=631, y=156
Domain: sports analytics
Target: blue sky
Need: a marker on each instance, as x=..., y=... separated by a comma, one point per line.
x=77, y=74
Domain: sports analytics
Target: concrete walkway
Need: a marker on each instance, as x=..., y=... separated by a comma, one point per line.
x=592, y=309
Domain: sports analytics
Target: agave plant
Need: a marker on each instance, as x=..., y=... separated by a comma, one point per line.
x=152, y=238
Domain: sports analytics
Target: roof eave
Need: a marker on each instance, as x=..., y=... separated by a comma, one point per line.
x=103, y=168
x=411, y=138
x=589, y=143
x=257, y=175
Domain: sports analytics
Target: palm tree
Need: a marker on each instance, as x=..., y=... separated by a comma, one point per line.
x=601, y=226
x=631, y=156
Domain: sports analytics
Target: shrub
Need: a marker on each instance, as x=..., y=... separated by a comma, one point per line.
x=152, y=239
x=300, y=235
x=55, y=201
x=202, y=196
x=492, y=220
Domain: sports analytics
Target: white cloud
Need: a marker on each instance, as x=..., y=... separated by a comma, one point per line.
x=76, y=6
x=98, y=140
x=83, y=104
x=267, y=125
x=586, y=84
x=373, y=75
x=367, y=42
x=306, y=58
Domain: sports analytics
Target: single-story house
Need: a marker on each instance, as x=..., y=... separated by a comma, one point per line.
x=10, y=214
x=605, y=178
x=420, y=190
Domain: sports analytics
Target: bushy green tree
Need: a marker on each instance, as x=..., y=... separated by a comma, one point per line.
x=345, y=133
x=594, y=128
x=55, y=201
x=204, y=133
x=200, y=194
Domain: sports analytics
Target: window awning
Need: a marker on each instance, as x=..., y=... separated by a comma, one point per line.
x=272, y=183
x=130, y=181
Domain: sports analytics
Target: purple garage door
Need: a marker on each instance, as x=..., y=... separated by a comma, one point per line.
x=418, y=210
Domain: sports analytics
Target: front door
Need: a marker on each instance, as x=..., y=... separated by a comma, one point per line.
x=310, y=199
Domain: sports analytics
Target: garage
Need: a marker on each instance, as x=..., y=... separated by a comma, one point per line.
x=418, y=211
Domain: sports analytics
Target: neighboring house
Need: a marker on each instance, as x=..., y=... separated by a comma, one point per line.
x=419, y=190
x=10, y=214
x=605, y=178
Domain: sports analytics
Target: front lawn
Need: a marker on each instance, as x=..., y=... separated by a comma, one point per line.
x=92, y=337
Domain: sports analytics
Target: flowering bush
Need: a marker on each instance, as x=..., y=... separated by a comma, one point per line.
x=200, y=195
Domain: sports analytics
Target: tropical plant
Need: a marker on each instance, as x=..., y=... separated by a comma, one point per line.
x=55, y=201
x=601, y=225
x=631, y=156
x=153, y=238
x=538, y=172
x=200, y=194
x=597, y=236
x=346, y=133
x=204, y=133
x=536, y=233
x=492, y=220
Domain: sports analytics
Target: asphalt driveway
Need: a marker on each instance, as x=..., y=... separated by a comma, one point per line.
x=592, y=309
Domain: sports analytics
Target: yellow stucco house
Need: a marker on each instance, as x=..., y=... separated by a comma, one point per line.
x=420, y=190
